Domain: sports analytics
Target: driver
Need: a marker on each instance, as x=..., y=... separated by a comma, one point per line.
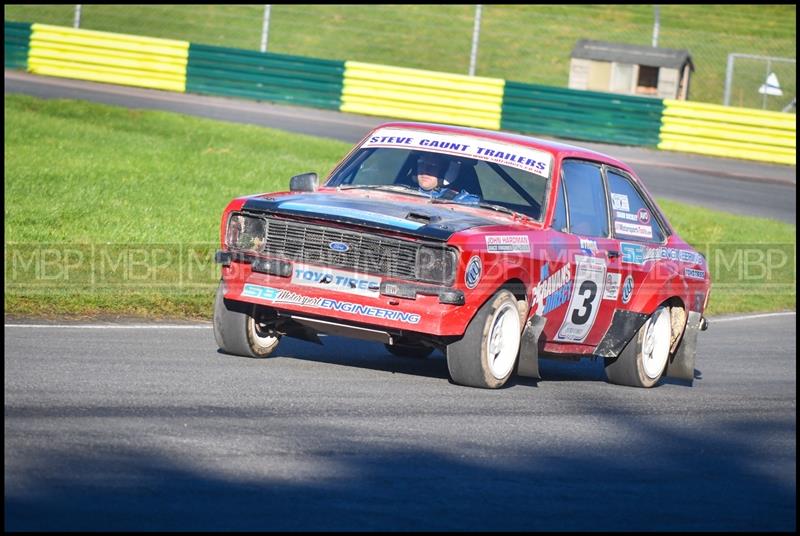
x=431, y=168
x=431, y=178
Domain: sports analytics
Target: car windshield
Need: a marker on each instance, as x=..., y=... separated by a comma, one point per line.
x=479, y=179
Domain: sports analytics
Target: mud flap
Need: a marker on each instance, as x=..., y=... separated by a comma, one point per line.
x=681, y=366
x=529, y=347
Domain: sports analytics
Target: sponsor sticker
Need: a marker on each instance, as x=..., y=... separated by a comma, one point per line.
x=643, y=215
x=524, y=158
x=694, y=274
x=589, y=246
x=507, y=243
x=620, y=202
x=277, y=296
x=612, y=286
x=626, y=216
x=631, y=229
x=627, y=289
x=552, y=291
x=340, y=281
x=632, y=253
x=473, y=272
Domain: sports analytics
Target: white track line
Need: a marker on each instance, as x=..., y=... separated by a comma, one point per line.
x=713, y=320
x=110, y=326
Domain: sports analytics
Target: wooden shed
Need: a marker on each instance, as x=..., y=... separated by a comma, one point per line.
x=630, y=69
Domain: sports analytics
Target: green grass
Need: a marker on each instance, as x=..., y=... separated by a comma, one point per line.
x=116, y=211
x=524, y=43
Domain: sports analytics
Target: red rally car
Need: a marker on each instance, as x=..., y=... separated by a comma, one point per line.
x=495, y=248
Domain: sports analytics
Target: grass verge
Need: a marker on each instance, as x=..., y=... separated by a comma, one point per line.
x=116, y=211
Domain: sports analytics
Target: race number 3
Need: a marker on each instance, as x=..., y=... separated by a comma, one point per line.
x=590, y=280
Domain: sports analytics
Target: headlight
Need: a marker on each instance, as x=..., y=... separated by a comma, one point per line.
x=246, y=233
x=436, y=265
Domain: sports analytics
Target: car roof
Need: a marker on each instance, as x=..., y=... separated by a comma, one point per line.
x=558, y=149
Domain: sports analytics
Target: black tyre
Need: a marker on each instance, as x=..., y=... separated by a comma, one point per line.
x=238, y=333
x=487, y=354
x=643, y=361
x=416, y=351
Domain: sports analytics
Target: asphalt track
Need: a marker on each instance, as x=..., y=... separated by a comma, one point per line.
x=150, y=428
x=738, y=186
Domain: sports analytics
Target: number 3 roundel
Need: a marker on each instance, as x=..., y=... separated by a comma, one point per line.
x=590, y=282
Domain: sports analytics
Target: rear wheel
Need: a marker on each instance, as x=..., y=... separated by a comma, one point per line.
x=238, y=332
x=486, y=355
x=644, y=359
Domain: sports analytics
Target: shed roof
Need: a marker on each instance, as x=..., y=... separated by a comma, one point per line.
x=634, y=54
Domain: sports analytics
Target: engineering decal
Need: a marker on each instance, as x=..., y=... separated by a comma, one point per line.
x=639, y=254
x=278, y=296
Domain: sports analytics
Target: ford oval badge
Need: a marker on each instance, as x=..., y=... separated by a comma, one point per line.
x=341, y=247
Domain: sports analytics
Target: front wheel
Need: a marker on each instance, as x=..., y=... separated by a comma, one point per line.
x=238, y=332
x=644, y=359
x=486, y=355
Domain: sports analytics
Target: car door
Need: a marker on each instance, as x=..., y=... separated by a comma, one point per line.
x=638, y=233
x=591, y=254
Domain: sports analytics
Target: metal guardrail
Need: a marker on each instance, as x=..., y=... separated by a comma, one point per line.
x=264, y=76
x=581, y=115
x=421, y=95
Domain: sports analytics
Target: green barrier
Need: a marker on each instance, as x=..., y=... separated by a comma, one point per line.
x=264, y=76
x=16, y=42
x=581, y=115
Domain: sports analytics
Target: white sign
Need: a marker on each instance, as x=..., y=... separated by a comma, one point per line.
x=517, y=156
x=772, y=87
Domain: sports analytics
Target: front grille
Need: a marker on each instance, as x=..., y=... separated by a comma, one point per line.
x=367, y=253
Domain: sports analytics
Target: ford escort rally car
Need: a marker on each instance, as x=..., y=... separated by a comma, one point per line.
x=525, y=249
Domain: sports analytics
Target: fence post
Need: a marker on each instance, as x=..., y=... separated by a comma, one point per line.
x=728, y=80
x=76, y=23
x=476, y=33
x=656, y=24
x=265, y=28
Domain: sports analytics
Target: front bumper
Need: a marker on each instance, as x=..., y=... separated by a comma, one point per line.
x=397, y=305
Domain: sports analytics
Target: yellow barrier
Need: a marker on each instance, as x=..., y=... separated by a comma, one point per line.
x=729, y=132
x=420, y=95
x=108, y=57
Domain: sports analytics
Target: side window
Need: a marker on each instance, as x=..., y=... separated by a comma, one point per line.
x=588, y=211
x=560, y=214
x=632, y=219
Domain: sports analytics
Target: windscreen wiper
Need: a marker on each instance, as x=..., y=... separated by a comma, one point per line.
x=401, y=188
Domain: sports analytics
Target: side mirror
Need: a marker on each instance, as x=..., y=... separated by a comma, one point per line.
x=305, y=182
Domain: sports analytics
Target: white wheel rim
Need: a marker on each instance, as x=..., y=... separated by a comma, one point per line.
x=655, y=346
x=502, y=344
x=261, y=340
